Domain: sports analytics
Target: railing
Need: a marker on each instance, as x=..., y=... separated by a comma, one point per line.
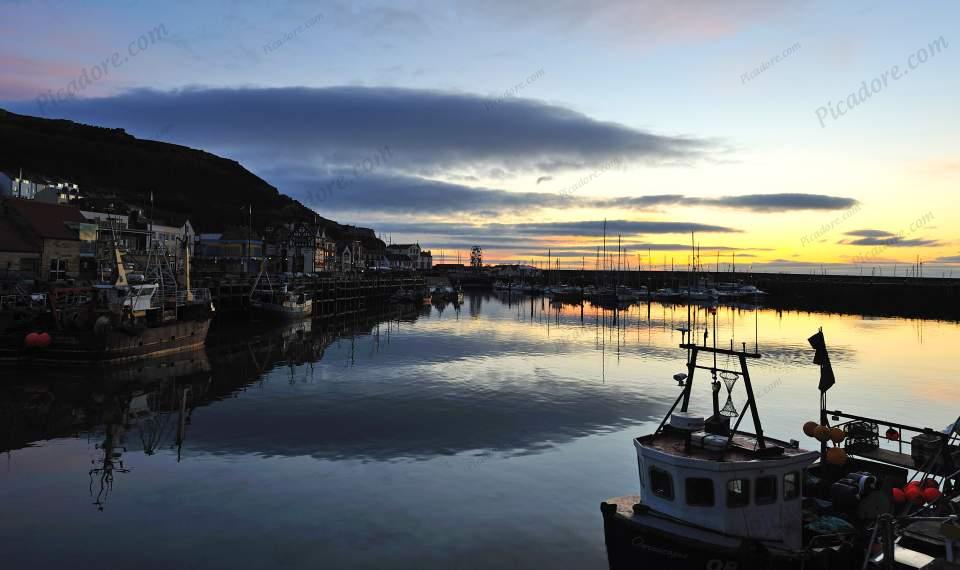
x=185, y=296
x=30, y=301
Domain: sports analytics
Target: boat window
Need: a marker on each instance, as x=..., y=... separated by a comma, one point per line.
x=738, y=493
x=791, y=485
x=699, y=492
x=661, y=483
x=766, y=490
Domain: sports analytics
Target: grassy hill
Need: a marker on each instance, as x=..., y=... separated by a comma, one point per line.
x=113, y=167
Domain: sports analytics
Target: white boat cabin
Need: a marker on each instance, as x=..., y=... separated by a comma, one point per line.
x=136, y=298
x=727, y=485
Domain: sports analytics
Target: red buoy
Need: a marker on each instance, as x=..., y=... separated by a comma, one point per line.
x=913, y=494
x=30, y=341
x=43, y=340
x=930, y=495
x=930, y=482
x=893, y=435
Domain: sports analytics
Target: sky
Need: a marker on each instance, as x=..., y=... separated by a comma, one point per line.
x=805, y=136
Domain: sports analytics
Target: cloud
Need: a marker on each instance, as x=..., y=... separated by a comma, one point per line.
x=593, y=228
x=424, y=197
x=430, y=131
x=890, y=242
x=409, y=195
x=948, y=259
x=754, y=202
x=870, y=233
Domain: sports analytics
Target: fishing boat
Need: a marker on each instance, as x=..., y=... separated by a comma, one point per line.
x=279, y=301
x=146, y=315
x=715, y=497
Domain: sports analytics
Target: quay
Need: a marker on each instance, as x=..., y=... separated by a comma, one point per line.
x=333, y=296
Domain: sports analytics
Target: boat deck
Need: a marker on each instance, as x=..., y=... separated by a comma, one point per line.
x=743, y=447
x=887, y=456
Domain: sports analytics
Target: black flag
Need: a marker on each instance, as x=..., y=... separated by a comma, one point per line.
x=827, y=379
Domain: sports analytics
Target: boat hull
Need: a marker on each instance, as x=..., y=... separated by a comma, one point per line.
x=637, y=542
x=85, y=346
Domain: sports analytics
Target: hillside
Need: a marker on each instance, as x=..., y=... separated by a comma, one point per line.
x=112, y=166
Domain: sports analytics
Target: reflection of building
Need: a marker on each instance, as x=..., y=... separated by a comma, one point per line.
x=45, y=241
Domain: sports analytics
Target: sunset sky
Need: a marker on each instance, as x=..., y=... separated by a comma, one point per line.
x=799, y=135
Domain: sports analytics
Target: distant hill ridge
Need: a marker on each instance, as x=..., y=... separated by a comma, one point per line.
x=113, y=166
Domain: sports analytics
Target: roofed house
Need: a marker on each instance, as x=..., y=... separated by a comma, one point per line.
x=38, y=187
x=236, y=250
x=420, y=259
x=45, y=241
x=350, y=256
x=399, y=261
x=301, y=247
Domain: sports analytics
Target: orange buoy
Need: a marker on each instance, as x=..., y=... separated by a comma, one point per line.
x=898, y=496
x=930, y=495
x=809, y=428
x=837, y=456
x=837, y=435
x=822, y=433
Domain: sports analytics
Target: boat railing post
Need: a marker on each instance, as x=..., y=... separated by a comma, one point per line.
x=748, y=385
x=691, y=368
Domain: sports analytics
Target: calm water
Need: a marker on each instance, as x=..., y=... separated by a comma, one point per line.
x=483, y=437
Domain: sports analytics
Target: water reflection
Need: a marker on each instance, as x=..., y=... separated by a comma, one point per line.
x=510, y=415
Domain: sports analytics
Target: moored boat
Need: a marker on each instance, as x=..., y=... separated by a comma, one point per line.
x=715, y=497
x=279, y=301
x=114, y=321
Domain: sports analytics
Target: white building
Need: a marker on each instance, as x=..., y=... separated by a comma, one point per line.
x=173, y=237
x=420, y=259
x=36, y=187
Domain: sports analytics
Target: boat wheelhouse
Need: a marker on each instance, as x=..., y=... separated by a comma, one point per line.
x=726, y=484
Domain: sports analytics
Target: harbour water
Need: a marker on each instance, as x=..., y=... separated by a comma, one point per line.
x=479, y=436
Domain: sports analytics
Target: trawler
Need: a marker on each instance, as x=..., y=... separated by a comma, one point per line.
x=714, y=497
x=146, y=315
x=280, y=301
